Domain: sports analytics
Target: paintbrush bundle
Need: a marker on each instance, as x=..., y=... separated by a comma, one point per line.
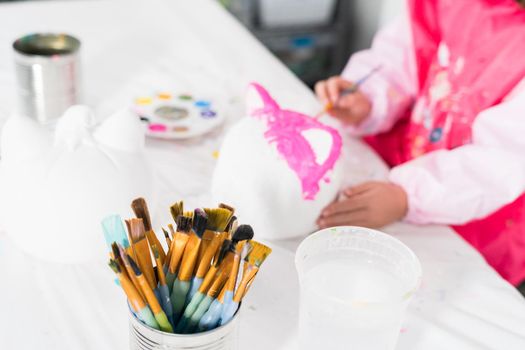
x=198, y=281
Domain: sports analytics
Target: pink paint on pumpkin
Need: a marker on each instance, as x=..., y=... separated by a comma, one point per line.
x=157, y=127
x=285, y=129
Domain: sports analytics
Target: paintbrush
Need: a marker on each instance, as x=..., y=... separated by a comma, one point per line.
x=210, y=232
x=114, y=231
x=212, y=317
x=141, y=250
x=140, y=208
x=255, y=258
x=211, y=275
x=127, y=266
x=218, y=220
x=163, y=288
x=135, y=300
x=231, y=227
x=168, y=253
x=176, y=210
x=350, y=90
x=153, y=303
x=167, y=237
x=219, y=282
x=241, y=235
x=181, y=286
x=226, y=206
x=178, y=245
x=203, y=265
x=206, y=240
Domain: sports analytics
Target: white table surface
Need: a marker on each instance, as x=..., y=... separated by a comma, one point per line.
x=135, y=47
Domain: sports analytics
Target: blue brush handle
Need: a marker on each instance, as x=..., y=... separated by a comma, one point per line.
x=178, y=297
x=195, y=284
x=166, y=302
x=197, y=315
x=228, y=299
x=228, y=312
x=147, y=317
x=188, y=312
x=212, y=317
x=170, y=279
x=156, y=291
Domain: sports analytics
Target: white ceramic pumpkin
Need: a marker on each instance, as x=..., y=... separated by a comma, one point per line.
x=55, y=189
x=278, y=168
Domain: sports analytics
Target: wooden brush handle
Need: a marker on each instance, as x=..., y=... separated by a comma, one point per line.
x=177, y=248
x=232, y=279
x=246, y=278
x=208, y=279
x=205, y=262
x=189, y=259
x=160, y=272
x=150, y=296
x=135, y=300
x=133, y=279
x=217, y=285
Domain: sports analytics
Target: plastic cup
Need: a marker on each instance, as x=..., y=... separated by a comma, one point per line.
x=355, y=286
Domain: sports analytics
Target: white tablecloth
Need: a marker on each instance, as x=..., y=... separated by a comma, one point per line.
x=135, y=47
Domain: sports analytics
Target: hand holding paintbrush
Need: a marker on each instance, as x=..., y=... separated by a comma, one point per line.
x=342, y=98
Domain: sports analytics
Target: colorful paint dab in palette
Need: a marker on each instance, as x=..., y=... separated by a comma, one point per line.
x=177, y=116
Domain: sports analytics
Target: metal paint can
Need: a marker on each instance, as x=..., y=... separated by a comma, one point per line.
x=47, y=68
x=142, y=337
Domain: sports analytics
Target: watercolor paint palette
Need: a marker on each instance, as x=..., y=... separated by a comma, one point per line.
x=177, y=115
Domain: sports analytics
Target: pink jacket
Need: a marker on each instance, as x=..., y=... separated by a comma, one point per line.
x=463, y=158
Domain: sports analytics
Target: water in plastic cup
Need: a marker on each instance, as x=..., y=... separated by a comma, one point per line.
x=355, y=286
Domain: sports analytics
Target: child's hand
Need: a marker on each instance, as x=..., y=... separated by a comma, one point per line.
x=372, y=204
x=350, y=109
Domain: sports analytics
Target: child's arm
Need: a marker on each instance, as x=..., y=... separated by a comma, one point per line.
x=471, y=181
x=392, y=89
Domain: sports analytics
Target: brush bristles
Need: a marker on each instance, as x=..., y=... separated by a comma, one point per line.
x=166, y=233
x=200, y=221
x=242, y=233
x=226, y=206
x=123, y=255
x=140, y=208
x=155, y=251
x=258, y=253
x=218, y=218
x=114, y=266
x=232, y=224
x=184, y=223
x=136, y=229
x=134, y=266
x=176, y=210
x=188, y=214
x=226, y=246
x=115, y=250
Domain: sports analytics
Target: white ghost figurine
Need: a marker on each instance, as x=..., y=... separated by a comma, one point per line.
x=278, y=168
x=56, y=189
